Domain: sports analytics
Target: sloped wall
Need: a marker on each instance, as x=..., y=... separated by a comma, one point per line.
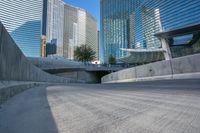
x=15, y=66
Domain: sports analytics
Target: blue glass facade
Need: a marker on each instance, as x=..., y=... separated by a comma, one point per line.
x=23, y=20
x=133, y=23
x=114, y=26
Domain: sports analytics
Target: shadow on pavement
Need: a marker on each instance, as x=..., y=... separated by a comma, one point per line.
x=28, y=112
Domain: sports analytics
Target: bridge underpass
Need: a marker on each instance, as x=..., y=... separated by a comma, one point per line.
x=74, y=70
x=78, y=74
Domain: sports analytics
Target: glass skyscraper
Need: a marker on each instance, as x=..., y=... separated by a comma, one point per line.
x=23, y=20
x=55, y=24
x=80, y=28
x=33, y=23
x=114, y=26
x=133, y=23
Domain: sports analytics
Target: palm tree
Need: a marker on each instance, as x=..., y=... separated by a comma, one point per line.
x=112, y=60
x=84, y=53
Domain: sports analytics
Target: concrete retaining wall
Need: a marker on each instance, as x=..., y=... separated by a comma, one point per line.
x=15, y=66
x=179, y=68
x=88, y=77
x=162, y=69
x=11, y=89
x=188, y=64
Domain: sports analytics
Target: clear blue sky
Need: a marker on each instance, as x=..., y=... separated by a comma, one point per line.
x=91, y=6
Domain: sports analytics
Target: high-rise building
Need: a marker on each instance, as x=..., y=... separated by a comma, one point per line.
x=133, y=23
x=92, y=34
x=55, y=24
x=98, y=50
x=51, y=48
x=33, y=23
x=70, y=30
x=80, y=28
x=114, y=26
x=23, y=19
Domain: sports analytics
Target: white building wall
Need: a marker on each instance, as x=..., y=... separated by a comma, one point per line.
x=55, y=23
x=79, y=29
x=92, y=34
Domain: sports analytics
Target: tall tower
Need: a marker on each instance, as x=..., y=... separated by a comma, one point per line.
x=80, y=28
x=55, y=23
x=128, y=24
x=23, y=20
x=115, y=16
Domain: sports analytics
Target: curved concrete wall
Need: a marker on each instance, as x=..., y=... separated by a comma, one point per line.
x=186, y=67
x=9, y=89
x=15, y=66
x=183, y=67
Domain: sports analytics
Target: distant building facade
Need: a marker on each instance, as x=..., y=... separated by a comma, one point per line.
x=35, y=23
x=55, y=24
x=132, y=24
x=51, y=48
x=23, y=20
x=92, y=34
x=80, y=28
x=98, y=57
x=114, y=26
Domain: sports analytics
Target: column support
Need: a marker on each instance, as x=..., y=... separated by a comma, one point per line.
x=166, y=48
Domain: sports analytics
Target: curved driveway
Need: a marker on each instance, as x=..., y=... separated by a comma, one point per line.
x=143, y=107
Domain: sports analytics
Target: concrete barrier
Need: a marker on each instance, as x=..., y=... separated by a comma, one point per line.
x=188, y=64
x=15, y=66
x=160, y=69
x=11, y=89
x=186, y=67
x=126, y=75
x=178, y=68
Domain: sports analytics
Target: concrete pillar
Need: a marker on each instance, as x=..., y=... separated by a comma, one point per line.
x=166, y=48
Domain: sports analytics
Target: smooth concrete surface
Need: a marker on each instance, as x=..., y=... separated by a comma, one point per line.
x=170, y=106
x=127, y=74
x=4, y=84
x=9, y=89
x=154, y=69
x=88, y=77
x=15, y=66
x=121, y=75
x=30, y=113
x=178, y=68
x=188, y=64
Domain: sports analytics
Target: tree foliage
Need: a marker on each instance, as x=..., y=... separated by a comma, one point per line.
x=84, y=53
x=112, y=60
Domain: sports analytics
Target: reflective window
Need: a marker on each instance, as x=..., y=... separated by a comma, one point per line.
x=23, y=21
x=182, y=40
x=133, y=23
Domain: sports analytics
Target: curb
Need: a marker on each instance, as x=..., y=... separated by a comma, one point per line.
x=10, y=91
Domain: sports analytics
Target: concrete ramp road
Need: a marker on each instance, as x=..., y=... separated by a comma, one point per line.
x=171, y=106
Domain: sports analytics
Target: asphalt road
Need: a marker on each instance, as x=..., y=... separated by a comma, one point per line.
x=143, y=107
